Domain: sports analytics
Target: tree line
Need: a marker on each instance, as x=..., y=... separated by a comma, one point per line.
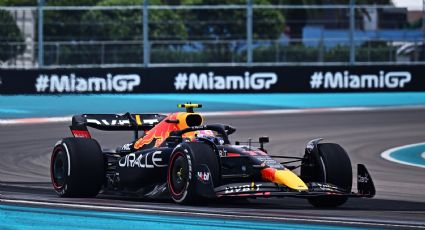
x=180, y=26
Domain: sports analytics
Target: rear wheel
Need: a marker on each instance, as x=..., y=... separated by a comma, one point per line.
x=77, y=167
x=181, y=177
x=330, y=165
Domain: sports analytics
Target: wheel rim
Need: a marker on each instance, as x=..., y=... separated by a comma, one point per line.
x=179, y=175
x=59, y=168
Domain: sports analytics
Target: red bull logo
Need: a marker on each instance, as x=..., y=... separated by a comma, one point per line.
x=162, y=130
x=159, y=133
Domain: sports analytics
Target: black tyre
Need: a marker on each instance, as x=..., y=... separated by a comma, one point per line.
x=77, y=167
x=331, y=165
x=181, y=176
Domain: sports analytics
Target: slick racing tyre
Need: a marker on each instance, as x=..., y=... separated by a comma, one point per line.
x=181, y=176
x=331, y=165
x=77, y=167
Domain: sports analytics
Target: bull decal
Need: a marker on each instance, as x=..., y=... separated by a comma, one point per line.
x=158, y=134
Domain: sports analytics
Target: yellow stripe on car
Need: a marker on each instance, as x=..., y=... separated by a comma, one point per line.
x=139, y=122
x=288, y=178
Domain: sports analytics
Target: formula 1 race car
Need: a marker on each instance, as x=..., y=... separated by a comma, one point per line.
x=180, y=157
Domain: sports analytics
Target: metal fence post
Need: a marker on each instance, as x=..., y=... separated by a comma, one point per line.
x=249, y=31
x=321, y=49
x=423, y=31
x=352, y=30
x=57, y=52
x=146, y=46
x=102, y=53
x=40, y=34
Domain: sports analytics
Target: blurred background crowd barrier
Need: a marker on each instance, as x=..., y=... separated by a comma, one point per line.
x=109, y=33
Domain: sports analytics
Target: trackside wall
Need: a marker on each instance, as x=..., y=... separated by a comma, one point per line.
x=286, y=79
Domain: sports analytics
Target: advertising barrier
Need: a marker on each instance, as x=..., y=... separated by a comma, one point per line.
x=286, y=79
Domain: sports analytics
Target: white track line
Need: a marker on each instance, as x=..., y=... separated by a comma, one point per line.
x=310, y=220
x=387, y=155
x=44, y=120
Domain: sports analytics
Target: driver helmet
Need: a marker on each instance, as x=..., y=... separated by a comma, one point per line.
x=210, y=135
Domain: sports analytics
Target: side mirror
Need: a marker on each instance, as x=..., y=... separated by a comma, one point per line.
x=264, y=139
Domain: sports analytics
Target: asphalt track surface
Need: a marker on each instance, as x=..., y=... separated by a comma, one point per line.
x=399, y=203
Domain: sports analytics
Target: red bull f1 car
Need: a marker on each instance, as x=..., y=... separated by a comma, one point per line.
x=179, y=157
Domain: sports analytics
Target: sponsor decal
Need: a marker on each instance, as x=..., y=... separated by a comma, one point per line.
x=71, y=83
x=149, y=160
x=210, y=81
x=189, y=162
x=150, y=121
x=126, y=147
x=327, y=187
x=109, y=122
x=222, y=152
x=123, y=122
x=198, y=127
x=203, y=176
x=243, y=188
x=363, y=179
x=268, y=161
x=345, y=80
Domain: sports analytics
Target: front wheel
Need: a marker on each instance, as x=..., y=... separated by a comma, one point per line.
x=330, y=164
x=182, y=175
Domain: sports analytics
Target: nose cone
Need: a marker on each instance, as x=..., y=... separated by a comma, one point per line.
x=284, y=177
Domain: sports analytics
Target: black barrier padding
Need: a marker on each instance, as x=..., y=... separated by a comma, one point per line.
x=287, y=79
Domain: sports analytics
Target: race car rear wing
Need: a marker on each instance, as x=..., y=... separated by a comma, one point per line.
x=113, y=122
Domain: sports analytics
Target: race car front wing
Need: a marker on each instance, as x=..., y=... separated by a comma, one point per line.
x=365, y=188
